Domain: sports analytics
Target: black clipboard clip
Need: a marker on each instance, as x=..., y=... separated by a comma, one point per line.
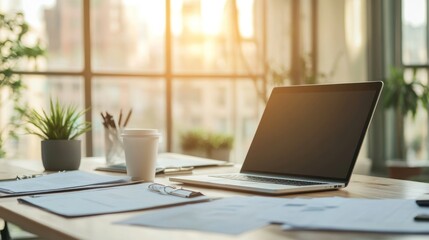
x=423, y=200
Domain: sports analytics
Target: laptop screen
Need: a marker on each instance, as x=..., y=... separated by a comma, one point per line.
x=313, y=131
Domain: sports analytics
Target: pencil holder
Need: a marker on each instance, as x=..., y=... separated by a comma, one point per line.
x=114, y=147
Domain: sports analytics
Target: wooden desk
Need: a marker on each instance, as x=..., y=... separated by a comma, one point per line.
x=50, y=226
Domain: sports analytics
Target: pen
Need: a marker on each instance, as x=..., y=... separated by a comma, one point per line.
x=422, y=218
x=178, y=170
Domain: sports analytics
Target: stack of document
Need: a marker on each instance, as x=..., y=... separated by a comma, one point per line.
x=232, y=216
x=55, y=182
x=239, y=214
x=350, y=214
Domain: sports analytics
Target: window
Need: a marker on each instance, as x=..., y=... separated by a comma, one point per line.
x=414, y=32
x=415, y=55
x=178, y=64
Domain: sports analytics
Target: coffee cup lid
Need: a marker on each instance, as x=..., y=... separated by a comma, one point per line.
x=139, y=132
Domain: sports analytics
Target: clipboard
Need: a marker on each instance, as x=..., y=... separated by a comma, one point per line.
x=118, y=199
x=60, y=182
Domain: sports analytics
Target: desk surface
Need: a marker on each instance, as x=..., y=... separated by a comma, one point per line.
x=50, y=226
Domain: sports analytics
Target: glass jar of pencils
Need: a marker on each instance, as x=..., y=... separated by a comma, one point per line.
x=112, y=137
x=113, y=146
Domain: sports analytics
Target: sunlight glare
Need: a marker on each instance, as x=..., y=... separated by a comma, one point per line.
x=212, y=12
x=150, y=12
x=414, y=12
x=245, y=18
x=353, y=25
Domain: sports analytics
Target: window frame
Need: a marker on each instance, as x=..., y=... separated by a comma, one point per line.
x=398, y=38
x=168, y=76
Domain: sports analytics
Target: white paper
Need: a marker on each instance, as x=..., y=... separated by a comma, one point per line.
x=345, y=214
x=58, y=181
x=228, y=216
x=106, y=200
x=239, y=214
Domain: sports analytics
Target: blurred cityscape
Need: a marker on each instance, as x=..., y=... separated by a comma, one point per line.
x=414, y=51
x=212, y=56
x=129, y=37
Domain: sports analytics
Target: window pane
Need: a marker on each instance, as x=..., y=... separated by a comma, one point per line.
x=305, y=19
x=128, y=35
x=57, y=24
x=416, y=128
x=205, y=37
x=217, y=105
x=68, y=90
x=279, y=33
x=414, y=38
x=146, y=98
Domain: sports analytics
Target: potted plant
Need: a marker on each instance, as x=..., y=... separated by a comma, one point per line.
x=219, y=146
x=14, y=48
x=59, y=130
x=404, y=97
x=193, y=142
x=207, y=144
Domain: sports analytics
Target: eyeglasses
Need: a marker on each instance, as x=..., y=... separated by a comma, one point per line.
x=170, y=190
x=28, y=176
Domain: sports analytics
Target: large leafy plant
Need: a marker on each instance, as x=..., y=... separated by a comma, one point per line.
x=13, y=49
x=63, y=122
x=404, y=96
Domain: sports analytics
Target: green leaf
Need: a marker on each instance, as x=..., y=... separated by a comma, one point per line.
x=61, y=123
x=402, y=95
x=13, y=48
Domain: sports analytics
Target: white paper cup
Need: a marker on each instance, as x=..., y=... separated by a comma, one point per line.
x=141, y=149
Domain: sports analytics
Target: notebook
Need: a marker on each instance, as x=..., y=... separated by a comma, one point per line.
x=308, y=139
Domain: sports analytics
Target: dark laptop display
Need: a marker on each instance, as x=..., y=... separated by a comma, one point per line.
x=313, y=130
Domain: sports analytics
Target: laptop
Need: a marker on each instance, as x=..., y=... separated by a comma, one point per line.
x=308, y=139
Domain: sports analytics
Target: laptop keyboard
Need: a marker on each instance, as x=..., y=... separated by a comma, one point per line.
x=268, y=180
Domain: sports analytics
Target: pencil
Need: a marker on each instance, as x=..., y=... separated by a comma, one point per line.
x=128, y=117
x=120, y=118
x=110, y=120
x=104, y=120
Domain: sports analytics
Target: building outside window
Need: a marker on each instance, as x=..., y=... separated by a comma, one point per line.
x=178, y=64
x=414, y=54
